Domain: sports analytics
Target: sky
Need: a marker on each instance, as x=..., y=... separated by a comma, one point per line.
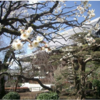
x=95, y=5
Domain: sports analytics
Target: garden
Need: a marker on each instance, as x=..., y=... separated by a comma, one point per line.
x=51, y=46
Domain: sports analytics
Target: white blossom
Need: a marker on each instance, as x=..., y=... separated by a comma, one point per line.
x=88, y=34
x=43, y=48
x=30, y=29
x=90, y=39
x=17, y=44
x=7, y=62
x=21, y=31
x=30, y=46
x=97, y=27
x=79, y=35
x=64, y=4
x=27, y=32
x=35, y=43
x=2, y=17
x=91, y=13
x=24, y=36
x=81, y=9
x=33, y=1
x=85, y=3
x=39, y=38
x=89, y=43
x=68, y=54
x=78, y=15
x=56, y=11
x=44, y=33
x=46, y=21
x=84, y=16
x=60, y=19
x=67, y=49
x=89, y=5
x=47, y=50
x=61, y=59
x=4, y=10
x=75, y=18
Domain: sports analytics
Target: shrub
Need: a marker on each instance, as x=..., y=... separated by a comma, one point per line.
x=11, y=95
x=96, y=83
x=48, y=96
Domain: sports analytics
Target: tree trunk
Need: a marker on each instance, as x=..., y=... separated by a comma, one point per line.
x=16, y=85
x=2, y=87
x=76, y=77
x=2, y=83
x=81, y=92
x=4, y=66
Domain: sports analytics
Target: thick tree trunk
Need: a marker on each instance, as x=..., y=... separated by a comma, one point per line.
x=4, y=66
x=2, y=86
x=76, y=77
x=2, y=83
x=81, y=92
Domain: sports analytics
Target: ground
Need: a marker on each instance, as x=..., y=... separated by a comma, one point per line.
x=28, y=95
x=32, y=95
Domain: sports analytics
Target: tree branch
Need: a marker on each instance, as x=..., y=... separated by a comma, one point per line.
x=4, y=48
x=26, y=78
x=12, y=32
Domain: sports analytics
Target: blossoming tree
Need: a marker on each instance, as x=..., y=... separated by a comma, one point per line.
x=35, y=23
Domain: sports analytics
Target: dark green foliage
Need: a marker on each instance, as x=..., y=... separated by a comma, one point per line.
x=78, y=37
x=48, y=96
x=96, y=83
x=97, y=40
x=55, y=58
x=96, y=54
x=11, y=96
x=81, y=53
